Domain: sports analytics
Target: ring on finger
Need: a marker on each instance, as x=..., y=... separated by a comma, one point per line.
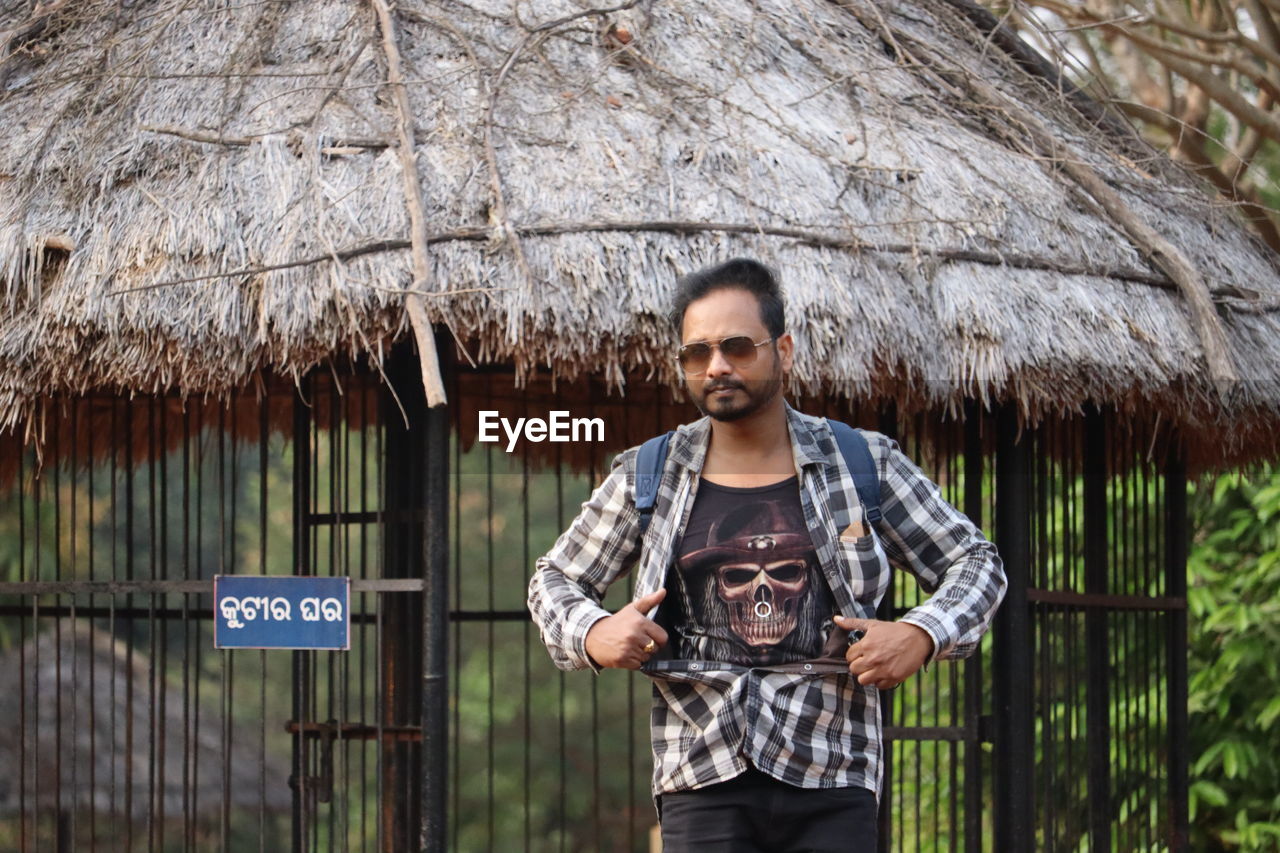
x=650, y=647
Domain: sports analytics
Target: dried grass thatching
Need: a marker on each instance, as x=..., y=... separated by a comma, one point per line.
x=190, y=195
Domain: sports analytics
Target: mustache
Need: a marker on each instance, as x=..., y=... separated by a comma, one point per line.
x=720, y=385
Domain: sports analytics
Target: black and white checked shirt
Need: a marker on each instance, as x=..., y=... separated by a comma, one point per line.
x=710, y=718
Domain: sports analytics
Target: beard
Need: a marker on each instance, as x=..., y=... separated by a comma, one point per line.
x=749, y=397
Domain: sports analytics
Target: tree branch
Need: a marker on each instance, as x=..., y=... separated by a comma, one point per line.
x=431, y=379
x=803, y=236
x=1222, y=94
x=1161, y=252
x=241, y=141
x=1152, y=45
x=1191, y=146
x=1240, y=157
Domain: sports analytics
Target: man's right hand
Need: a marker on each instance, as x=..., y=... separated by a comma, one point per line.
x=620, y=640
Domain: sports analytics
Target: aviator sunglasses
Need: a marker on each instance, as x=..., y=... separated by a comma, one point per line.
x=738, y=350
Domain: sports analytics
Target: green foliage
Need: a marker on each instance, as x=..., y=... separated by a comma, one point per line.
x=1234, y=617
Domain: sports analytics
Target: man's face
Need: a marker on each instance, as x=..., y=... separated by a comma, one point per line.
x=727, y=391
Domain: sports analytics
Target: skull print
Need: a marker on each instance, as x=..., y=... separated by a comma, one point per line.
x=763, y=598
x=749, y=579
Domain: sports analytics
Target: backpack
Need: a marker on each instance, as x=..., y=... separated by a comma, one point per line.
x=853, y=447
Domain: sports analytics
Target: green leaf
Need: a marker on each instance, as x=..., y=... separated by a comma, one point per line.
x=1209, y=758
x=1208, y=792
x=1269, y=713
x=1230, y=764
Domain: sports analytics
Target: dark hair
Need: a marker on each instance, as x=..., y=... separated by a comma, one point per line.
x=736, y=274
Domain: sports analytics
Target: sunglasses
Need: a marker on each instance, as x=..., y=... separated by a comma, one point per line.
x=738, y=350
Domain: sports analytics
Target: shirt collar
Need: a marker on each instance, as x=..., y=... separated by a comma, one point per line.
x=689, y=444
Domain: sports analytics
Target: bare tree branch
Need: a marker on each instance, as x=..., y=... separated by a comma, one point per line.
x=1162, y=253
x=431, y=379
x=1202, y=77
x=240, y=141
x=801, y=235
x=1157, y=46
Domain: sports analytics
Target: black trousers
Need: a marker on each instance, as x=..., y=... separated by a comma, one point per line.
x=755, y=813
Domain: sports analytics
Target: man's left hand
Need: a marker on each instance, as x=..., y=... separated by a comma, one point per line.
x=889, y=652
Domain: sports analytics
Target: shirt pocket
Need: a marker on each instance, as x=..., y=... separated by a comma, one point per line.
x=868, y=571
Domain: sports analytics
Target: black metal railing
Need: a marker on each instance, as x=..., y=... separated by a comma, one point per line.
x=445, y=725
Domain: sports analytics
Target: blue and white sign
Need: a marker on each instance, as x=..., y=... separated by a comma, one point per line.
x=281, y=612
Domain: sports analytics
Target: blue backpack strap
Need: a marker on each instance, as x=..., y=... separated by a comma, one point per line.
x=857, y=458
x=649, y=463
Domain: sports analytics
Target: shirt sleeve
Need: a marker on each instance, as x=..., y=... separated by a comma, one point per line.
x=570, y=580
x=949, y=556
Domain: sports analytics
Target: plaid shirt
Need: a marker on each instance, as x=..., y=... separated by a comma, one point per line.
x=813, y=730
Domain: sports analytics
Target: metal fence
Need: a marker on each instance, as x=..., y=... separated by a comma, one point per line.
x=445, y=724
x=130, y=730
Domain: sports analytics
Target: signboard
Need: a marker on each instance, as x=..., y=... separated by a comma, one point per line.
x=281, y=612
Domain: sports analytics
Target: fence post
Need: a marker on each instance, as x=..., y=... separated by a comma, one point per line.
x=1012, y=655
x=974, y=464
x=1096, y=645
x=301, y=807
x=1176, y=532
x=435, y=625
x=404, y=463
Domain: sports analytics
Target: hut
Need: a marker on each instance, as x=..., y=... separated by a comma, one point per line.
x=242, y=248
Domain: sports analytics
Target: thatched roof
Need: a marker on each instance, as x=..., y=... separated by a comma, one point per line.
x=889, y=158
x=90, y=725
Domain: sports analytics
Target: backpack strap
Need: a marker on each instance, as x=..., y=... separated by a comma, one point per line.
x=857, y=458
x=649, y=463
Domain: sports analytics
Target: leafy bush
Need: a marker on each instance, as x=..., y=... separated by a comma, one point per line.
x=1234, y=622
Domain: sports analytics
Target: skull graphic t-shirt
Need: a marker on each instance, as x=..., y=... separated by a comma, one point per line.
x=748, y=587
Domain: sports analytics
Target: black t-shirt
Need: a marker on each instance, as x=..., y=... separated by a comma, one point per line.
x=747, y=585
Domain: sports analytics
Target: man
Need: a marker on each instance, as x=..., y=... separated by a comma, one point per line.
x=757, y=568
